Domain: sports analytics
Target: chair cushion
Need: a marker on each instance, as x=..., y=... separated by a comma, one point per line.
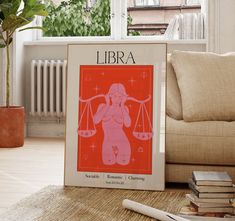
x=174, y=103
x=206, y=82
x=205, y=142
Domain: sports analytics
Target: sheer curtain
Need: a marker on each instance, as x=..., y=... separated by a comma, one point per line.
x=186, y=26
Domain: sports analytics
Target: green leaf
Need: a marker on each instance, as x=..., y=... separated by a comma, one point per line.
x=2, y=45
x=32, y=8
x=12, y=22
x=14, y=6
x=33, y=27
x=4, y=6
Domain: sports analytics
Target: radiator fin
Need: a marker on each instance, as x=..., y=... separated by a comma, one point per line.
x=48, y=88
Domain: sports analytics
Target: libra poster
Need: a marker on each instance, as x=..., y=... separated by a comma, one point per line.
x=115, y=119
x=115, y=115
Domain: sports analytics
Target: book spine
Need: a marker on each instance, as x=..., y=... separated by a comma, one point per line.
x=194, y=190
x=207, y=189
x=211, y=189
x=194, y=178
x=212, y=210
x=216, y=184
x=216, y=210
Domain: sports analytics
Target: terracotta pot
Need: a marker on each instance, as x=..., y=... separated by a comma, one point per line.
x=12, y=126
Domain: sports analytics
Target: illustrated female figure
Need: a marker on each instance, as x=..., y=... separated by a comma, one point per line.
x=114, y=115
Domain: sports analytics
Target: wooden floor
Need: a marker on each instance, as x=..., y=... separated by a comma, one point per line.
x=39, y=163
x=26, y=170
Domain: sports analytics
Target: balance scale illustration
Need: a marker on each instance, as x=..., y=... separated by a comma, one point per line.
x=90, y=128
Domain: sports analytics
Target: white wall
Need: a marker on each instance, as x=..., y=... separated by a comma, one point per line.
x=2, y=79
x=221, y=26
x=18, y=71
x=227, y=26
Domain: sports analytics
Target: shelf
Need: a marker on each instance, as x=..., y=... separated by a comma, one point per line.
x=66, y=41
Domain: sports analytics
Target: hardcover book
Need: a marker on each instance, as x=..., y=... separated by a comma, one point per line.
x=212, y=205
x=211, y=178
x=212, y=195
x=211, y=189
x=194, y=198
x=210, y=217
x=229, y=210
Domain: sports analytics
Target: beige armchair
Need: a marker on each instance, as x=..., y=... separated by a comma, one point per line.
x=198, y=145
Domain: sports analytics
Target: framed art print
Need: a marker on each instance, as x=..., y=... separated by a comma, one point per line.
x=115, y=125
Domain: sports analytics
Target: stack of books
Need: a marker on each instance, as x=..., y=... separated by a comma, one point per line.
x=212, y=192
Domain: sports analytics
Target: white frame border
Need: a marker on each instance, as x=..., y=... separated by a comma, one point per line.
x=156, y=181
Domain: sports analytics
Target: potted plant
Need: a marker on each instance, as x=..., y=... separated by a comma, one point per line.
x=14, y=14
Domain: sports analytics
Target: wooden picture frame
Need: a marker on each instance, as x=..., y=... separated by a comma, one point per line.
x=115, y=123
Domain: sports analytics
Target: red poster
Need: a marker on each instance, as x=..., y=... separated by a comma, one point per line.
x=115, y=119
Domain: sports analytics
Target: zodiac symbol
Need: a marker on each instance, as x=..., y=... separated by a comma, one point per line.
x=114, y=114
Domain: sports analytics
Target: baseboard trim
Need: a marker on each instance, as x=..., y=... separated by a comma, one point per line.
x=45, y=130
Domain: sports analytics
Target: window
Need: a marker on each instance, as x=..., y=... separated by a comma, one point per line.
x=114, y=19
x=154, y=21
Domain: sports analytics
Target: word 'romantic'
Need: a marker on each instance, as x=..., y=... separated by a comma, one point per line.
x=115, y=57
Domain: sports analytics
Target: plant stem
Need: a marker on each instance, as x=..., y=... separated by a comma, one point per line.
x=8, y=72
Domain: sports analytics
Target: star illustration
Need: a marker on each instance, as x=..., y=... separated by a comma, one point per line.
x=140, y=149
x=96, y=89
x=132, y=81
x=93, y=146
x=87, y=78
x=144, y=75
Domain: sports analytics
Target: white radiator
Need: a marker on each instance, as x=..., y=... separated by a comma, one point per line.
x=48, y=88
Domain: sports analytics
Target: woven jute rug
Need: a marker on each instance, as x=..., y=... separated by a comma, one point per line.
x=55, y=203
